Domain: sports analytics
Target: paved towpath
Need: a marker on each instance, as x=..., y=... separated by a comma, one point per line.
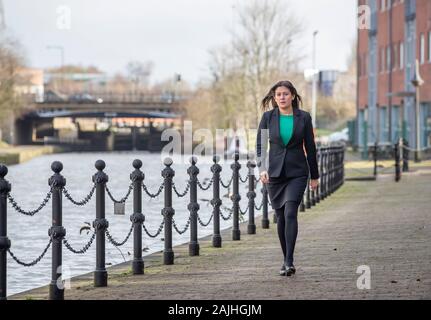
x=382, y=224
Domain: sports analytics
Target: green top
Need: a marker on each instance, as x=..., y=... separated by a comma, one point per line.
x=286, y=128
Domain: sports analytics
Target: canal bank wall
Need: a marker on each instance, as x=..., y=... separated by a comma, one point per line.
x=15, y=155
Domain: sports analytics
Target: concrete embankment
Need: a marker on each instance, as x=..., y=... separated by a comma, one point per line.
x=16, y=155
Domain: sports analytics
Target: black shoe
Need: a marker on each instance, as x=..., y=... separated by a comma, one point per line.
x=283, y=270
x=290, y=271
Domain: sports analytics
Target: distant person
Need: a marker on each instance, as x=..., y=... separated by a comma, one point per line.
x=288, y=130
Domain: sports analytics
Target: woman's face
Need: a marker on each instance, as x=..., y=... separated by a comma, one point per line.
x=283, y=97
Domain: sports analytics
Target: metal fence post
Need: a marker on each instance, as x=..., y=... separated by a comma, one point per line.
x=405, y=153
x=5, y=188
x=193, y=207
x=313, y=197
x=397, y=162
x=137, y=218
x=319, y=157
x=57, y=232
x=302, y=205
x=342, y=162
x=265, y=218
x=335, y=170
x=251, y=194
x=168, y=173
x=100, y=225
x=325, y=173
x=216, y=202
x=308, y=199
x=336, y=155
x=339, y=162
x=375, y=159
x=331, y=170
x=236, y=233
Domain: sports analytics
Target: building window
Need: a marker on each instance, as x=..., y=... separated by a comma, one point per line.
x=425, y=125
x=396, y=123
x=382, y=60
x=382, y=5
x=388, y=58
x=395, y=64
x=422, y=49
x=429, y=46
x=401, y=55
x=383, y=125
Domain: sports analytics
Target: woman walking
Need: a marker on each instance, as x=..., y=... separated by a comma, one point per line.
x=286, y=170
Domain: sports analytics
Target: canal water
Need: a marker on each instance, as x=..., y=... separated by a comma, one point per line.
x=29, y=235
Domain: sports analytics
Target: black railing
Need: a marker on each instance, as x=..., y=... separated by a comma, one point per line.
x=331, y=161
x=398, y=152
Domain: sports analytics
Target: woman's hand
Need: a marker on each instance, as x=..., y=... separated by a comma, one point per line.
x=264, y=177
x=314, y=184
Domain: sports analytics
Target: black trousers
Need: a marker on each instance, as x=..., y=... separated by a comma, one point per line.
x=287, y=227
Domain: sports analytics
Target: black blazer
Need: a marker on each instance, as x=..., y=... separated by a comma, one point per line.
x=291, y=155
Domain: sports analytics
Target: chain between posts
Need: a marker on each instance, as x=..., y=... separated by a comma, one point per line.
x=413, y=149
x=32, y=212
x=230, y=213
x=157, y=232
x=205, y=224
x=34, y=262
x=226, y=185
x=116, y=243
x=185, y=228
x=84, y=248
x=82, y=202
x=153, y=195
x=124, y=199
x=181, y=194
x=259, y=207
x=243, y=212
x=207, y=187
x=240, y=179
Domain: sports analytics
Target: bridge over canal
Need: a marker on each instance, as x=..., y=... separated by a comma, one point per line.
x=103, y=125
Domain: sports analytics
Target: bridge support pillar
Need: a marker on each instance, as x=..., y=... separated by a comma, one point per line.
x=22, y=132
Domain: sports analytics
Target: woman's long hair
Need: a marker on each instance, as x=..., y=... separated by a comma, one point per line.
x=270, y=97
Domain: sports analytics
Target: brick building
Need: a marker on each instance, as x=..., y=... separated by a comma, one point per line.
x=399, y=33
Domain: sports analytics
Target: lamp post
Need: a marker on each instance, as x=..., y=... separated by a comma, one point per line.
x=314, y=90
x=417, y=81
x=61, y=49
x=177, y=80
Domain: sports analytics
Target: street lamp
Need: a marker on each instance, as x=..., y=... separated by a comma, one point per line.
x=417, y=81
x=61, y=49
x=314, y=90
x=177, y=80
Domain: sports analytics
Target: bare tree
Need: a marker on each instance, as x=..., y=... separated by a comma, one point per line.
x=139, y=73
x=10, y=62
x=259, y=55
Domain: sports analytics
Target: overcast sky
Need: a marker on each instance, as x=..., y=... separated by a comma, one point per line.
x=175, y=34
